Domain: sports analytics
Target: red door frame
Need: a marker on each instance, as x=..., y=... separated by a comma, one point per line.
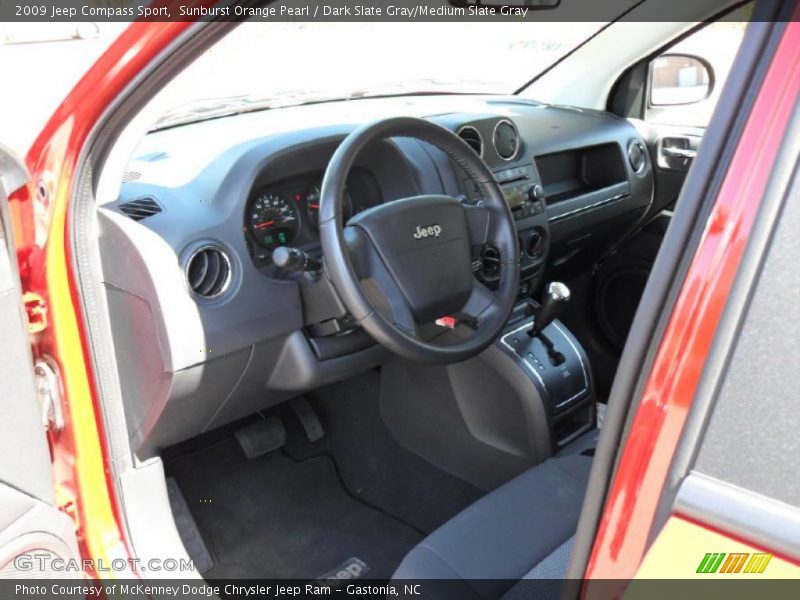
x=83, y=473
x=626, y=523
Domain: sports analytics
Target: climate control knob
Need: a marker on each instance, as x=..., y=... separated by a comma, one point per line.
x=536, y=193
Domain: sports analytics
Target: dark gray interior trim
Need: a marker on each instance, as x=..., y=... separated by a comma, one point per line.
x=740, y=512
x=698, y=194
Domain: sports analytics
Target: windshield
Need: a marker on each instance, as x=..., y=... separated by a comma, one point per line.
x=263, y=65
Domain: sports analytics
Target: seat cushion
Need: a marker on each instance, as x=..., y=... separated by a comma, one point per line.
x=501, y=537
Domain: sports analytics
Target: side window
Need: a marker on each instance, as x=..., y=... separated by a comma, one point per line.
x=685, y=81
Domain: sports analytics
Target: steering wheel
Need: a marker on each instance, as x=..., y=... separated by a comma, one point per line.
x=404, y=264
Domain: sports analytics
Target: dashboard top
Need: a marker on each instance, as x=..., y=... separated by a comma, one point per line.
x=175, y=156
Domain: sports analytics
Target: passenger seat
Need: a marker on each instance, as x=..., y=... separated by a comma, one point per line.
x=521, y=530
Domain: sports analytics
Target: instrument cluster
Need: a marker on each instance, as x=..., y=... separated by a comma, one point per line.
x=286, y=213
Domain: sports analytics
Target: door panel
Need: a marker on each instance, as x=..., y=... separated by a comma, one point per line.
x=25, y=463
x=621, y=278
x=672, y=150
x=29, y=521
x=673, y=130
x=32, y=534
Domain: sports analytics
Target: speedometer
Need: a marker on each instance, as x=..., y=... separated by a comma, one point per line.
x=273, y=220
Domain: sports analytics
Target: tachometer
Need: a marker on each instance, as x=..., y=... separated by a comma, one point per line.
x=312, y=205
x=273, y=220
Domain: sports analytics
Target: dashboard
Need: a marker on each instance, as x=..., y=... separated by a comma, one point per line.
x=219, y=331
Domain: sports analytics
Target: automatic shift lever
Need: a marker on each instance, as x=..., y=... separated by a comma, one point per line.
x=553, y=303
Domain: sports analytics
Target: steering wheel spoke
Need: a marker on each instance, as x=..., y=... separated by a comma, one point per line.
x=400, y=314
x=378, y=283
x=480, y=303
x=478, y=223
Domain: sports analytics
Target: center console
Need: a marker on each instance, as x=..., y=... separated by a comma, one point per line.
x=525, y=195
x=488, y=419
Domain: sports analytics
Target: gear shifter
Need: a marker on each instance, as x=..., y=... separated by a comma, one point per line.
x=553, y=304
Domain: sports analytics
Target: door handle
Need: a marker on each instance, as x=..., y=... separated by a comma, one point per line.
x=673, y=152
x=676, y=152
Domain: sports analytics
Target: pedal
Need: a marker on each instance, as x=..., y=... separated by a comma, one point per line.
x=261, y=437
x=308, y=417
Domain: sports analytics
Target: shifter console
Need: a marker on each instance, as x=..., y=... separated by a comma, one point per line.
x=555, y=362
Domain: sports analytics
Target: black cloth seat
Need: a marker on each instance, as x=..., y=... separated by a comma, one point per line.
x=499, y=539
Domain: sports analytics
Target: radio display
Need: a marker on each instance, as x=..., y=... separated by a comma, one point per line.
x=514, y=197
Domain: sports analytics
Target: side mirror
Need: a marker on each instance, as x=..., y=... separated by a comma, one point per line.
x=677, y=79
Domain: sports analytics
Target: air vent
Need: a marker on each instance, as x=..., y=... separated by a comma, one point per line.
x=473, y=139
x=637, y=156
x=140, y=208
x=208, y=272
x=506, y=140
x=534, y=245
x=490, y=262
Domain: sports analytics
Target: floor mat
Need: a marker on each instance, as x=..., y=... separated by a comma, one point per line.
x=274, y=517
x=374, y=467
x=191, y=537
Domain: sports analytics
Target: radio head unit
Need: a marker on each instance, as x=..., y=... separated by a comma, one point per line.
x=522, y=190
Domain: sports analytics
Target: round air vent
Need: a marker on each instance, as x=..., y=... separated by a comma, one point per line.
x=534, y=245
x=506, y=140
x=208, y=272
x=637, y=156
x=473, y=138
x=490, y=262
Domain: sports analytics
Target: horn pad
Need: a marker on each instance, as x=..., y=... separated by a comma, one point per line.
x=424, y=243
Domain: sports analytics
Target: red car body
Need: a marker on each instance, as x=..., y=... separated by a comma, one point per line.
x=622, y=538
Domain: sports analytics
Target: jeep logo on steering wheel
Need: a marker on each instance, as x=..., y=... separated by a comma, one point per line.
x=429, y=231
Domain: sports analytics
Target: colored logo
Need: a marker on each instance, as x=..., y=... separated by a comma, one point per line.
x=735, y=562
